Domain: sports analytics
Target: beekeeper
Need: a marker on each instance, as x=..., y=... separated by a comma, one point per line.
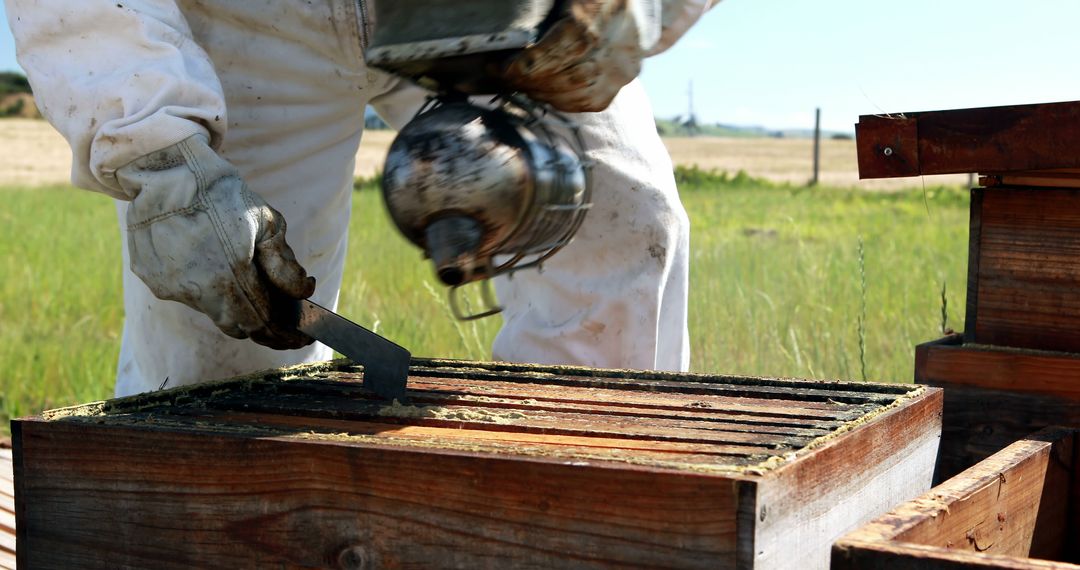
x=213, y=122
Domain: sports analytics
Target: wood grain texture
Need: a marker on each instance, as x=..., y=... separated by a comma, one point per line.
x=1005, y=512
x=991, y=139
x=995, y=396
x=7, y=511
x=490, y=466
x=974, y=239
x=286, y=501
x=1028, y=276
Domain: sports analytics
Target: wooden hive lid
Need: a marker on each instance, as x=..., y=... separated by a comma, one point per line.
x=1037, y=143
x=687, y=422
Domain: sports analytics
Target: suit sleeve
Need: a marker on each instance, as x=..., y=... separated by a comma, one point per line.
x=119, y=79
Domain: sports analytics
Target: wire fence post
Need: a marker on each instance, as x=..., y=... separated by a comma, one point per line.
x=817, y=146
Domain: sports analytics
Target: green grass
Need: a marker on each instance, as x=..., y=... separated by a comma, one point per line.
x=776, y=286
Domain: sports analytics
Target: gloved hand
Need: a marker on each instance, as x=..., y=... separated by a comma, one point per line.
x=197, y=235
x=589, y=53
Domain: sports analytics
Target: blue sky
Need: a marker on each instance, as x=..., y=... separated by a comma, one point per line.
x=771, y=62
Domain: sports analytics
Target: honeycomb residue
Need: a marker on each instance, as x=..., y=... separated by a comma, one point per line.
x=486, y=415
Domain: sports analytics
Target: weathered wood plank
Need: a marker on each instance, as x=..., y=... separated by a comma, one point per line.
x=974, y=239
x=1000, y=368
x=1056, y=178
x=1028, y=277
x=305, y=503
x=7, y=509
x=799, y=505
x=991, y=139
x=1013, y=503
x=1002, y=513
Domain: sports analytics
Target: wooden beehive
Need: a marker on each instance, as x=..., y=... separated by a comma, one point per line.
x=1015, y=368
x=1017, y=509
x=489, y=465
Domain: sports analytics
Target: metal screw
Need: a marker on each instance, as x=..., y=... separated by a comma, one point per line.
x=888, y=151
x=353, y=558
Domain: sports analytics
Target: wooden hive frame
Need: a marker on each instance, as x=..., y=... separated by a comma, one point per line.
x=488, y=465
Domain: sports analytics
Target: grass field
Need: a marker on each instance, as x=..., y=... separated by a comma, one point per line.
x=817, y=283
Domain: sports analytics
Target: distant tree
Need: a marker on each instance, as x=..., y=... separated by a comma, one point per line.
x=13, y=82
x=15, y=109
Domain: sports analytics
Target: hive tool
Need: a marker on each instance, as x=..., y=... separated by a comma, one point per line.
x=386, y=364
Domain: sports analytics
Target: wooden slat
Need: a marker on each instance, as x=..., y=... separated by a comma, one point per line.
x=1055, y=178
x=949, y=362
x=667, y=402
x=1001, y=513
x=992, y=139
x=1028, y=271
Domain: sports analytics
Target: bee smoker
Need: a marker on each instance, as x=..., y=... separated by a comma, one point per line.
x=484, y=189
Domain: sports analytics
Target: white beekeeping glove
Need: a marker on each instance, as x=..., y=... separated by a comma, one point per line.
x=197, y=235
x=595, y=47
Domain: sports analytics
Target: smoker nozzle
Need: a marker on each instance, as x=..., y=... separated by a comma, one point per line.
x=452, y=243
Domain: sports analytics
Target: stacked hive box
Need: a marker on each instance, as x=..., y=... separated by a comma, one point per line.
x=485, y=466
x=1015, y=368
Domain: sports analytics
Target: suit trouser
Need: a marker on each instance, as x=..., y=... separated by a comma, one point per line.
x=296, y=88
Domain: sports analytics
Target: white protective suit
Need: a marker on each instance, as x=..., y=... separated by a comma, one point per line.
x=279, y=90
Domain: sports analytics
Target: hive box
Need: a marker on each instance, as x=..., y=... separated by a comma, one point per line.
x=486, y=466
x=1017, y=366
x=1016, y=509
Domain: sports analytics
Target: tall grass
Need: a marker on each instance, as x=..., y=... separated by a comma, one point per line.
x=60, y=304
x=775, y=284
